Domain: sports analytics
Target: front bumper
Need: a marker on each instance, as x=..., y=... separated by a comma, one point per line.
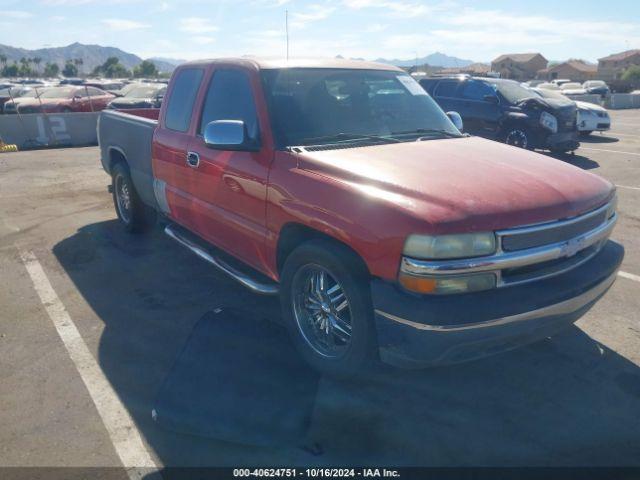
x=564, y=141
x=416, y=331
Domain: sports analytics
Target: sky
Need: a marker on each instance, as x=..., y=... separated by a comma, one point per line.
x=370, y=29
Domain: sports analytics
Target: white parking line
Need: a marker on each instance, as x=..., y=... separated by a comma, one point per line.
x=121, y=428
x=630, y=276
x=626, y=186
x=610, y=151
x=614, y=134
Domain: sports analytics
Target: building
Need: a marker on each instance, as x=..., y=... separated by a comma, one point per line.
x=613, y=66
x=519, y=66
x=575, y=70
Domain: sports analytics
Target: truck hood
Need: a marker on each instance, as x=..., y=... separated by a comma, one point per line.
x=463, y=185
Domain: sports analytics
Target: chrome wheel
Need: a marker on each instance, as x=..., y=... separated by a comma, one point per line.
x=517, y=138
x=321, y=310
x=123, y=198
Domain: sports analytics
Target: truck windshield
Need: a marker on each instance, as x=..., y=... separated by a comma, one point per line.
x=309, y=106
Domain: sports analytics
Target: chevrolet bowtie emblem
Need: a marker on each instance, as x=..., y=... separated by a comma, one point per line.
x=572, y=247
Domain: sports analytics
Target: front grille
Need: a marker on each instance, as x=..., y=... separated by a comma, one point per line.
x=555, y=232
x=547, y=269
x=566, y=118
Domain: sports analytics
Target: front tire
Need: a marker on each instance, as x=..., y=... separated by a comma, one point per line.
x=517, y=136
x=326, y=305
x=134, y=215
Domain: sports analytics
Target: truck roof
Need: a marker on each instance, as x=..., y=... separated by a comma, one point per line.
x=263, y=63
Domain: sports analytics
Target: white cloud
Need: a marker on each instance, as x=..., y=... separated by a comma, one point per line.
x=404, y=9
x=122, y=24
x=197, y=25
x=376, y=28
x=313, y=14
x=202, y=39
x=16, y=14
x=57, y=18
x=58, y=3
x=496, y=31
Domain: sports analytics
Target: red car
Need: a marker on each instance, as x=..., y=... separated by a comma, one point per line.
x=344, y=188
x=64, y=100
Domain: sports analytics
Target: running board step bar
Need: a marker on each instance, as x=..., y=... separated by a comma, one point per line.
x=261, y=287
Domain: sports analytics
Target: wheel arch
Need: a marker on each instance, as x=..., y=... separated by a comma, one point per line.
x=293, y=234
x=116, y=155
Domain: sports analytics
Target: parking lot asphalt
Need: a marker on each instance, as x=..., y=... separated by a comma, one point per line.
x=86, y=399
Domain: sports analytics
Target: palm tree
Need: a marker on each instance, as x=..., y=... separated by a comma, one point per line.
x=3, y=60
x=36, y=61
x=78, y=62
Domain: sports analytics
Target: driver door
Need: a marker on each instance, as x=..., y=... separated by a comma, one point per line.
x=229, y=187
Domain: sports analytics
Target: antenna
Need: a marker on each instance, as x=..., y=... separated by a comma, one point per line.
x=286, y=28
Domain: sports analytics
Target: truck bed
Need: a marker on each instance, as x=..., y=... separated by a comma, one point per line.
x=131, y=136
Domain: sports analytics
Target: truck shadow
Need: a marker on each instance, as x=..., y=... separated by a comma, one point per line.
x=599, y=138
x=565, y=401
x=577, y=160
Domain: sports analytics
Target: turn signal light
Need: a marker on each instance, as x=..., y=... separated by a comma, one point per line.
x=447, y=284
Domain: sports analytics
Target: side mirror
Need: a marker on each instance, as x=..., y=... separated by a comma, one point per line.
x=491, y=99
x=228, y=135
x=456, y=119
x=77, y=97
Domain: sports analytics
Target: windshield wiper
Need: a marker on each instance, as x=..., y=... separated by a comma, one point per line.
x=427, y=132
x=343, y=137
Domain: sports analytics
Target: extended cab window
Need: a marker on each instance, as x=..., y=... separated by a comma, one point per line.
x=183, y=96
x=230, y=97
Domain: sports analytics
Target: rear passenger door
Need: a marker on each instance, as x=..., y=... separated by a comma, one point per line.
x=447, y=94
x=482, y=109
x=173, y=176
x=230, y=186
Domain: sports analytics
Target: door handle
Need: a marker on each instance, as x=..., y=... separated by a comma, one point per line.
x=193, y=159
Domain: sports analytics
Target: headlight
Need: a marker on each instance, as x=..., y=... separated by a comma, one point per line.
x=450, y=246
x=549, y=122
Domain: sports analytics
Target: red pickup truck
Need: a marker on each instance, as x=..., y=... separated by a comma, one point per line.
x=345, y=189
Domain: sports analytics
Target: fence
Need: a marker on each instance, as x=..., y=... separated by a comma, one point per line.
x=51, y=130
x=623, y=100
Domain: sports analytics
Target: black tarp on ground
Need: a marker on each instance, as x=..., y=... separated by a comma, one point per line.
x=238, y=379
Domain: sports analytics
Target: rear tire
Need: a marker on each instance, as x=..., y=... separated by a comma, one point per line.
x=134, y=215
x=330, y=321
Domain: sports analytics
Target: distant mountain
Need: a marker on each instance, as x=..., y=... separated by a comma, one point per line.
x=166, y=64
x=436, y=59
x=91, y=55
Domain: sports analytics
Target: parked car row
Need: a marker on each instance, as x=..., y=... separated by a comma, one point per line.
x=86, y=97
x=590, y=87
